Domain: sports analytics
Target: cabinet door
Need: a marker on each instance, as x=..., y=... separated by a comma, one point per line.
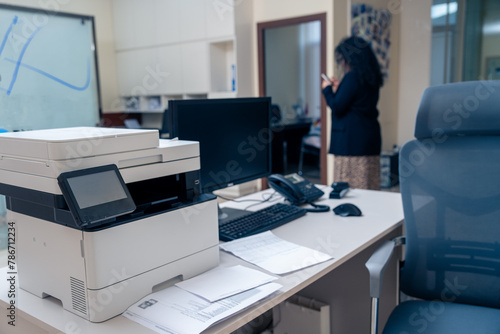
x=195, y=69
x=167, y=27
x=139, y=25
x=132, y=24
x=136, y=72
x=169, y=60
x=220, y=17
x=192, y=20
x=125, y=72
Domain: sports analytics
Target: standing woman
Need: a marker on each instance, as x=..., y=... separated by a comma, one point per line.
x=355, y=138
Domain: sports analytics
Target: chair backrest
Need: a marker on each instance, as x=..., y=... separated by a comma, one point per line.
x=275, y=113
x=450, y=187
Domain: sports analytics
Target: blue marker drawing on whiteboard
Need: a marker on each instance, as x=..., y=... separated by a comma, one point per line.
x=18, y=64
x=50, y=76
x=14, y=21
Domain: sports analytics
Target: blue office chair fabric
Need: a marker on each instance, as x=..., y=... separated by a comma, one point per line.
x=450, y=188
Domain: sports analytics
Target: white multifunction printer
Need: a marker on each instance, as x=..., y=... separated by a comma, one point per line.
x=105, y=216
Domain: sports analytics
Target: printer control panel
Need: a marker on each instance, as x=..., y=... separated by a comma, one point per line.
x=95, y=194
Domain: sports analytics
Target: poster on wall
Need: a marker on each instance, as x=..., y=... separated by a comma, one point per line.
x=373, y=25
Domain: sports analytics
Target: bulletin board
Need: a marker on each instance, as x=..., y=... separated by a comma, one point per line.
x=48, y=70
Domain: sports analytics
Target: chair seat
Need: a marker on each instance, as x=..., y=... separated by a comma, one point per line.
x=311, y=144
x=312, y=141
x=438, y=317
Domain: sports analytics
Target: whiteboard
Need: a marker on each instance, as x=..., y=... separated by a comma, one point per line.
x=48, y=70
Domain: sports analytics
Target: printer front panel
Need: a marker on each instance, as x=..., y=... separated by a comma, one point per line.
x=50, y=262
x=144, y=244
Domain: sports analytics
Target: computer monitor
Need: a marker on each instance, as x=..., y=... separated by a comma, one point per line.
x=234, y=136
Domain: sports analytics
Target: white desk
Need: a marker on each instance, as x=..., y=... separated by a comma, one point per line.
x=342, y=282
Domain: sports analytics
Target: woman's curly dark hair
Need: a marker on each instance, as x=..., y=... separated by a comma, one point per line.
x=358, y=54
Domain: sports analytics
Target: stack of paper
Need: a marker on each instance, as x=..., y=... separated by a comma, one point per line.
x=193, y=305
x=220, y=283
x=275, y=255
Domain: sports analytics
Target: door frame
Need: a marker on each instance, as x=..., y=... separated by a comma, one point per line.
x=261, y=27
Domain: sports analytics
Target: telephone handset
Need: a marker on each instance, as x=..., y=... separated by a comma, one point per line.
x=294, y=188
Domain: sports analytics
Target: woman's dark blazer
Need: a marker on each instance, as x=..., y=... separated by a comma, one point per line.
x=355, y=128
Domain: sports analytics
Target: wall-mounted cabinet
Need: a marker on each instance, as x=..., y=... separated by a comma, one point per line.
x=185, y=49
x=140, y=24
x=220, y=17
x=192, y=20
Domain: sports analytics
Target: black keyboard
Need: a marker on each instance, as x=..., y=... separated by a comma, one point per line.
x=259, y=221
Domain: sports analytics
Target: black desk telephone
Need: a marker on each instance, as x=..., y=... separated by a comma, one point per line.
x=295, y=188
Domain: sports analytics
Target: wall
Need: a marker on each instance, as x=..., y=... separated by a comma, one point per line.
x=101, y=10
x=414, y=61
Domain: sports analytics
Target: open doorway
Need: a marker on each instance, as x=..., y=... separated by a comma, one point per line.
x=292, y=55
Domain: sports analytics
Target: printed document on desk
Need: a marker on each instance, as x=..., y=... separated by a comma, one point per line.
x=177, y=311
x=223, y=282
x=274, y=254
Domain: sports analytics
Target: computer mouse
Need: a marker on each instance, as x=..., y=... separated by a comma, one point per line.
x=347, y=209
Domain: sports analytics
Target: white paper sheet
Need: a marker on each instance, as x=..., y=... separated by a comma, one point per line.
x=223, y=282
x=274, y=254
x=177, y=311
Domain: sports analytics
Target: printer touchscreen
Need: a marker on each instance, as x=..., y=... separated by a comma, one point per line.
x=95, y=194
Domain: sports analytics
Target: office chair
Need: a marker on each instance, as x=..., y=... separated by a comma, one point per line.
x=450, y=188
x=275, y=113
x=310, y=144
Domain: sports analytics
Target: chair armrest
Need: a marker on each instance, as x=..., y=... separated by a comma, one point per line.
x=377, y=263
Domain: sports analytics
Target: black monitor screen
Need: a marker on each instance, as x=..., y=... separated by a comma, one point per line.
x=234, y=136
